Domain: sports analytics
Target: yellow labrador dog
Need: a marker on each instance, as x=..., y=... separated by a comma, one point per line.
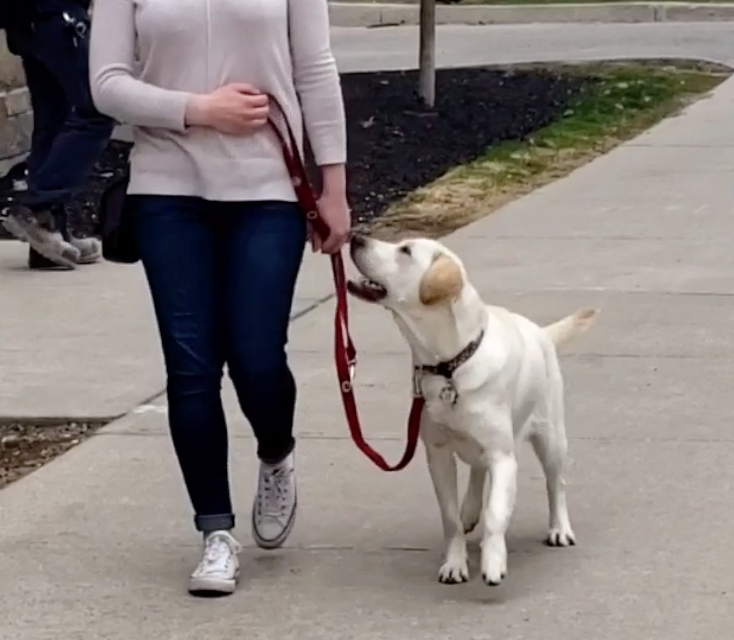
x=490, y=378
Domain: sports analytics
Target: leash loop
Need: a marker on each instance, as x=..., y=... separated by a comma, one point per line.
x=345, y=354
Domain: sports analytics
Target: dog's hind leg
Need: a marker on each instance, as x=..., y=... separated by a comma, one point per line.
x=471, y=507
x=550, y=445
x=442, y=467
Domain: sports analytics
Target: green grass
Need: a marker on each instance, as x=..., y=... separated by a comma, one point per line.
x=623, y=100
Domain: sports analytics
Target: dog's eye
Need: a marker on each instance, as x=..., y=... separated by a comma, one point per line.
x=405, y=249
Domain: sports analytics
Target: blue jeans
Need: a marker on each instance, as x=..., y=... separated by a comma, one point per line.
x=69, y=134
x=222, y=277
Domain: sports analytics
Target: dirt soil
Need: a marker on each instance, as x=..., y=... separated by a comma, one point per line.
x=24, y=448
x=396, y=145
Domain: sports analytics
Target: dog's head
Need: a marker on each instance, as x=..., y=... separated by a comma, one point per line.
x=407, y=277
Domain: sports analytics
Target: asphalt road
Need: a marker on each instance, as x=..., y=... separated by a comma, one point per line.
x=397, y=47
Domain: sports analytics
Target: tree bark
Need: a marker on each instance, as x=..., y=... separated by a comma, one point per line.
x=427, y=53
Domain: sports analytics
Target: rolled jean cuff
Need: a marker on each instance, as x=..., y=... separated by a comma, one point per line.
x=271, y=457
x=218, y=522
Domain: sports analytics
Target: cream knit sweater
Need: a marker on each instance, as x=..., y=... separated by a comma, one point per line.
x=147, y=57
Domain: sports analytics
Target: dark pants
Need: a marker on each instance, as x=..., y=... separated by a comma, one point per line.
x=69, y=134
x=222, y=278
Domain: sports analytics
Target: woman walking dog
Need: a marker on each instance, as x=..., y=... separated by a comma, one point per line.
x=220, y=232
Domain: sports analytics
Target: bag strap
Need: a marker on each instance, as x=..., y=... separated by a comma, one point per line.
x=345, y=354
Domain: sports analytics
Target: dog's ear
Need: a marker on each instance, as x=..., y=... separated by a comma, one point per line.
x=443, y=281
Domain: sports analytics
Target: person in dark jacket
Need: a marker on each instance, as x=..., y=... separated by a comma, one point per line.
x=69, y=134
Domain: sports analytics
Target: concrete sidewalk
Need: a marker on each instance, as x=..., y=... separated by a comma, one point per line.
x=98, y=543
x=84, y=345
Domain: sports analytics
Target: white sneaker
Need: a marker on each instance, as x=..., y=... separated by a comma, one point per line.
x=219, y=569
x=90, y=249
x=274, y=511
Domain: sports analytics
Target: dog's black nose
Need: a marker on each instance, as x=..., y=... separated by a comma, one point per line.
x=358, y=241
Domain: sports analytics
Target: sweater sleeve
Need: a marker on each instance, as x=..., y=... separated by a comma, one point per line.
x=115, y=89
x=317, y=80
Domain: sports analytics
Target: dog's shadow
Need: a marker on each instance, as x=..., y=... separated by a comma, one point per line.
x=533, y=567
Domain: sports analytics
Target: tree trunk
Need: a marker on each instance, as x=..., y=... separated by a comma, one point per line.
x=427, y=53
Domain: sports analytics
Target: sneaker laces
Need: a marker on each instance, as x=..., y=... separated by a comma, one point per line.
x=218, y=548
x=276, y=486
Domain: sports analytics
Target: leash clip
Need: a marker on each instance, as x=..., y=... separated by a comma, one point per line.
x=417, y=378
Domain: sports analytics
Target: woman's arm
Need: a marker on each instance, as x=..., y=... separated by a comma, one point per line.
x=334, y=180
x=115, y=90
x=317, y=83
x=319, y=89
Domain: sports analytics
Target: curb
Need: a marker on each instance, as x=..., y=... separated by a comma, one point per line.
x=361, y=14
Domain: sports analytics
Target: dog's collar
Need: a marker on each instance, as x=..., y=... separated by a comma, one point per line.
x=447, y=368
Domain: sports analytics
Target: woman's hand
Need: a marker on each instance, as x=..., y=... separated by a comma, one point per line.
x=235, y=109
x=334, y=210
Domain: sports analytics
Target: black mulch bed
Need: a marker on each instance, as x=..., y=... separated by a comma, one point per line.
x=395, y=145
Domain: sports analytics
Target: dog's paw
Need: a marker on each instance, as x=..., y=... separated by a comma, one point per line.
x=494, y=573
x=494, y=562
x=454, y=571
x=494, y=580
x=561, y=536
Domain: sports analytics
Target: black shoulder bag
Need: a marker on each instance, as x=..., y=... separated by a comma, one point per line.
x=117, y=224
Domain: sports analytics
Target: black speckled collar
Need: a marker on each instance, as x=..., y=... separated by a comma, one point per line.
x=447, y=368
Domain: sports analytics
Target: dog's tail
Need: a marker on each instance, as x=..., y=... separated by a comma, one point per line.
x=571, y=326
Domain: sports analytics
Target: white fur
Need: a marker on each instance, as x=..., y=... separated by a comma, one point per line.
x=510, y=390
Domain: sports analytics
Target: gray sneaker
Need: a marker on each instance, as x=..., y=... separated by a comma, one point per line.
x=90, y=249
x=27, y=227
x=274, y=510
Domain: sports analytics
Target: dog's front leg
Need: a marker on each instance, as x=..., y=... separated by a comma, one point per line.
x=442, y=467
x=471, y=507
x=497, y=513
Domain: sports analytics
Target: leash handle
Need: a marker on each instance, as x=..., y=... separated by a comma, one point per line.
x=309, y=203
x=345, y=354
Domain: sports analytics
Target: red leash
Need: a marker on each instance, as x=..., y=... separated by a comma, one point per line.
x=345, y=354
